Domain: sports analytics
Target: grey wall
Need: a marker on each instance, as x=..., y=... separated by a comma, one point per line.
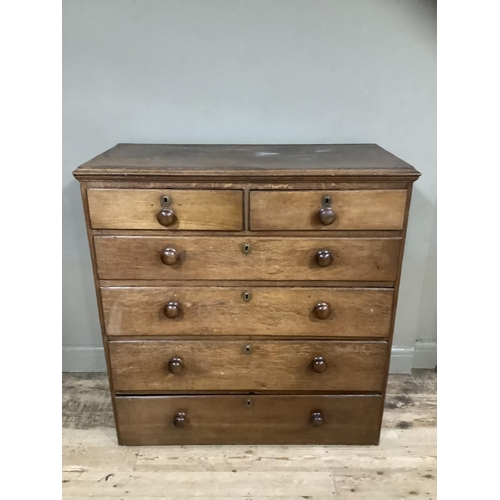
x=231, y=71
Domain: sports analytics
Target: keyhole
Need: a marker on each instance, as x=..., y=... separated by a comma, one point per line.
x=249, y=402
x=246, y=296
x=246, y=248
x=247, y=349
x=326, y=200
x=165, y=200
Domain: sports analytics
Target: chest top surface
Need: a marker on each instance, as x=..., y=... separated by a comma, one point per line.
x=295, y=161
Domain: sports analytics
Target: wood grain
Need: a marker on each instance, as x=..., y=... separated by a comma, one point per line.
x=396, y=285
x=280, y=343
x=354, y=210
x=212, y=365
x=247, y=283
x=195, y=209
x=272, y=311
x=91, y=242
x=245, y=233
x=326, y=161
x=404, y=462
x=230, y=419
x=191, y=183
x=358, y=259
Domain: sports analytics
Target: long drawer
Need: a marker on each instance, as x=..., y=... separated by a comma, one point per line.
x=240, y=419
x=253, y=365
x=238, y=311
x=252, y=258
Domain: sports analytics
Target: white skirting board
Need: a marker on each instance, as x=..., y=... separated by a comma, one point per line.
x=403, y=359
x=423, y=355
x=83, y=359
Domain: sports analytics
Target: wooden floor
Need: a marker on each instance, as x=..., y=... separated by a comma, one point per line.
x=403, y=466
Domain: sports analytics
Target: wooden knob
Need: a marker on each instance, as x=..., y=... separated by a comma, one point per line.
x=318, y=364
x=166, y=217
x=322, y=310
x=317, y=419
x=180, y=420
x=172, y=310
x=326, y=216
x=169, y=256
x=324, y=258
x=175, y=365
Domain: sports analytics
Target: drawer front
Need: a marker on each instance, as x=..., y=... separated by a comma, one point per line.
x=321, y=312
x=219, y=365
x=348, y=210
x=222, y=258
x=204, y=210
x=252, y=419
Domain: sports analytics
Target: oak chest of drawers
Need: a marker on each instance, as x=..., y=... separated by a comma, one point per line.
x=247, y=294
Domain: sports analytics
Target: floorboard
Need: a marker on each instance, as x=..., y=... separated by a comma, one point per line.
x=403, y=466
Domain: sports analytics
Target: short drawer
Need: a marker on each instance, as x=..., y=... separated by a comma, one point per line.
x=252, y=258
x=237, y=311
x=240, y=419
x=171, y=209
x=327, y=210
x=252, y=365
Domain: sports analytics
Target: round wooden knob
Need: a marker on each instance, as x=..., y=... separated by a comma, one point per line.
x=175, y=365
x=326, y=216
x=322, y=310
x=318, y=364
x=172, y=310
x=169, y=256
x=317, y=419
x=324, y=258
x=166, y=217
x=180, y=420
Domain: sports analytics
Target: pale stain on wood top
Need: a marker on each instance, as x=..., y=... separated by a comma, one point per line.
x=293, y=160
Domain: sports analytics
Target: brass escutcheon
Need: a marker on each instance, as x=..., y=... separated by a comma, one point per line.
x=165, y=200
x=246, y=296
x=326, y=200
x=246, y=248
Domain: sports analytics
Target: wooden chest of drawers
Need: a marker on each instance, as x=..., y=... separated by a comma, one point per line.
x=247, y=294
